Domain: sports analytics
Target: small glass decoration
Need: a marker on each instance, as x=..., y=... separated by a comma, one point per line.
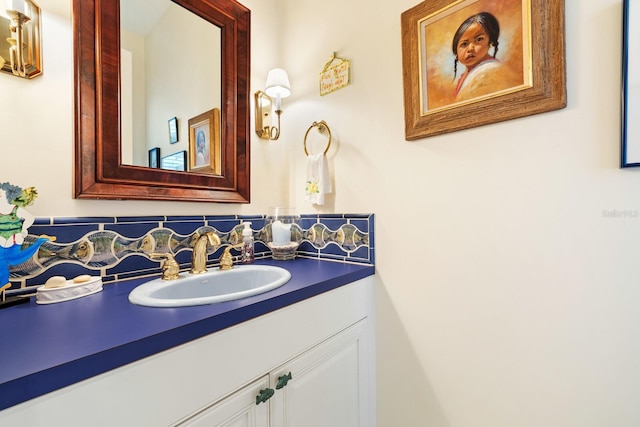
x=283, y=232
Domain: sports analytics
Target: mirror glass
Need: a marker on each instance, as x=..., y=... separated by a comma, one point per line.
x=161, y=100
x=161, y=45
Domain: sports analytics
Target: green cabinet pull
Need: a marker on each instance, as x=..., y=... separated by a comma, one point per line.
x=283, y=380
x=265, y=394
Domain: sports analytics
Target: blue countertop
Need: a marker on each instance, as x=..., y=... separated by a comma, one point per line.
x=47, y=347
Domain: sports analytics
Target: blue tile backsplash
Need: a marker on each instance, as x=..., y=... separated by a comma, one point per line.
x=119, y=248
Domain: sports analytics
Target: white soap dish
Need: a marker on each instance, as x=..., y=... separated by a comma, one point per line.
x=70, y=290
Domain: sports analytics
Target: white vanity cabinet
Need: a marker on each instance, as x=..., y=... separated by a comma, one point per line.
x=322, y=387
x=327, y=385
x=237, y=410
x=326, y=342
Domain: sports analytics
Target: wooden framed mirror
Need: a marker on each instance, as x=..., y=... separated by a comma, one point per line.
x=99, y=170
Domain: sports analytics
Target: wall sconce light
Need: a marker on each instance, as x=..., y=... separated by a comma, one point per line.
x=277, y=87
x=20, y=52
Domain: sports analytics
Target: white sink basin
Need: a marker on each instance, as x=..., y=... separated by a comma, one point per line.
x=211, y=287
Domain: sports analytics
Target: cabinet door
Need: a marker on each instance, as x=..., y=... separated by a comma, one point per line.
x=236, y=410
x=328, y=385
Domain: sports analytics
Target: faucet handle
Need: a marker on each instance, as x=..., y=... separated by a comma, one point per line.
x=226, y=260
x=169, y=265
x=162, y=255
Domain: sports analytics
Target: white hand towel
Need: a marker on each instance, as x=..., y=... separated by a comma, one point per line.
x=318, y=180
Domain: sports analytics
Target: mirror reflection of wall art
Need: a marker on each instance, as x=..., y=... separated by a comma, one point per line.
x=154, y=157
x=173, y=130
x=630, y=87
x=469, y=63
x=204, y=142
x=175, y=162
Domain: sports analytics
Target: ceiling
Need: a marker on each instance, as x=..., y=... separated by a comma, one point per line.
x=140, y=16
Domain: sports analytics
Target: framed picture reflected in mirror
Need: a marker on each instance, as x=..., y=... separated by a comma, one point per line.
x=205, y=152
x=175, y=162
x=173, y=130
x=154, y=157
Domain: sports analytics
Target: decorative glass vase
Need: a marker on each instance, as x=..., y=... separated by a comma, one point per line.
x=283, y=232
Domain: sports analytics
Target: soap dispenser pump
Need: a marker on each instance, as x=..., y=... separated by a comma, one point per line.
x=247, y=256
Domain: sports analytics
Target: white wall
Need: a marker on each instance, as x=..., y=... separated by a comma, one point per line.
x=514, y=304
x=184, y=99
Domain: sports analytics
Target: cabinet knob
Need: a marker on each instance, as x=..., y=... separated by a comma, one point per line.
x=264, y=395
x=283, y=380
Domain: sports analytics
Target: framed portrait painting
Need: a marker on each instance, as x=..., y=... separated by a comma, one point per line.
x=204, y=142
x=469, y=63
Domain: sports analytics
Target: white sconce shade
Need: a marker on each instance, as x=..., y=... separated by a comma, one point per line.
x=277, y=87
x=278, y=83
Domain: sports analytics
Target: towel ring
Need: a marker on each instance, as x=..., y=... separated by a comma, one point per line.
x=322, y=128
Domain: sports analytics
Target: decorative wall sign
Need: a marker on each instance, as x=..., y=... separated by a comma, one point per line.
x=468, y=63
x=335, y=77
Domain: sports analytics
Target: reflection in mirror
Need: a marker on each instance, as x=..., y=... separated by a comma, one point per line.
x=161, y=46
x=100, y=172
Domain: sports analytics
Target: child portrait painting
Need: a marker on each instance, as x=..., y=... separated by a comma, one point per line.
x=204, y=142
x=473, y=50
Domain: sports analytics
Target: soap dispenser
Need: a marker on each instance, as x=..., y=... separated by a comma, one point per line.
x=247, y=244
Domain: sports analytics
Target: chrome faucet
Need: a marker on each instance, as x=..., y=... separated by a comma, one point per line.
x=199, y=255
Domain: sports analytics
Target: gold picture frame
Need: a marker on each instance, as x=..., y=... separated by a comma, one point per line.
x=205, y=151
x=530, y=57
